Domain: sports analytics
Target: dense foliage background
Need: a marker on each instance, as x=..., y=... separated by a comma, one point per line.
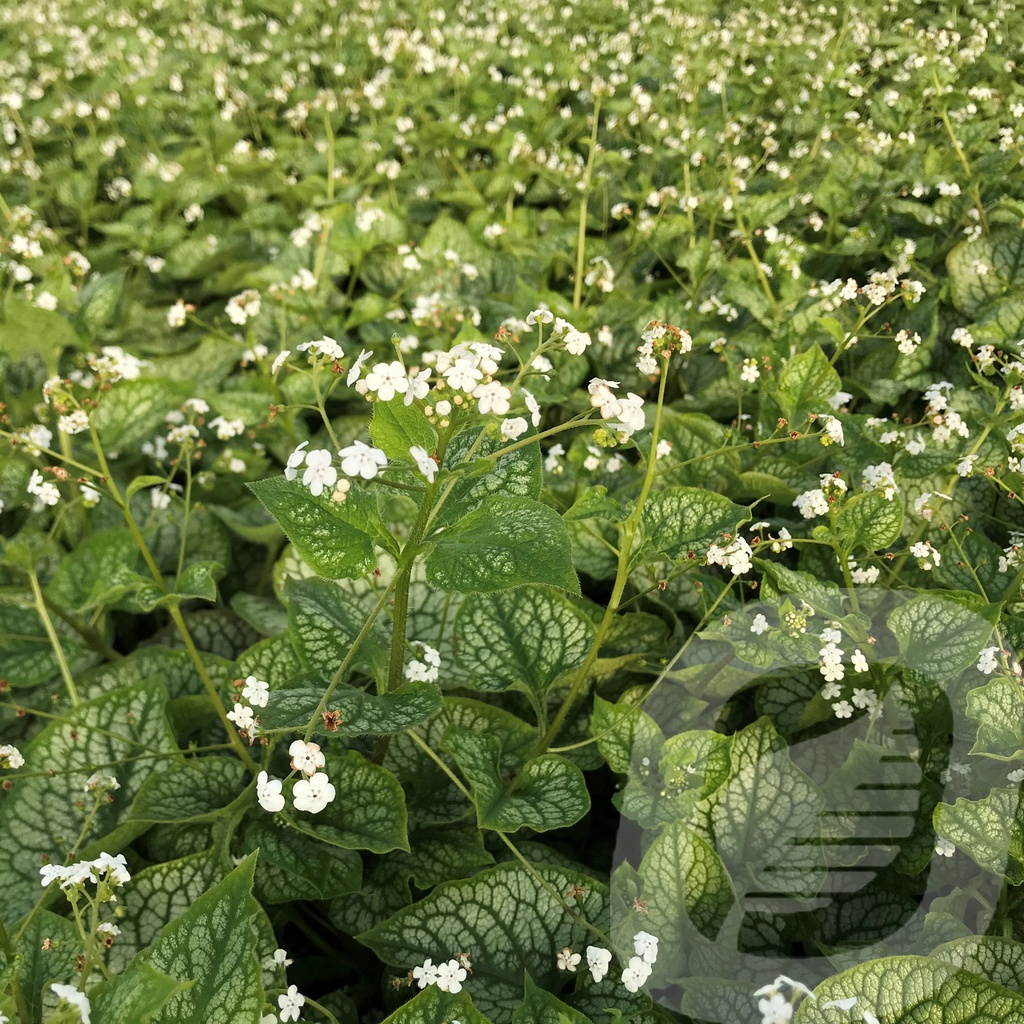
x=633, y=631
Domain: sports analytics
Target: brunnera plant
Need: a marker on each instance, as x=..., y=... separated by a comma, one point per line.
x=511, y=518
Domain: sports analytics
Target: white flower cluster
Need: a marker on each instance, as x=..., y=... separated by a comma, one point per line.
x=115, y=364
x=427, y=669
x=311, y=793
x=634, y=974
x=927, y=557
x=45, y=493
x=448, y=977
x=243, y=306
x=816, y=502
x=945, y=421
x=736, y=555
x=628, y=412
x=880, y=478
x=256, y=692
x=104, y=870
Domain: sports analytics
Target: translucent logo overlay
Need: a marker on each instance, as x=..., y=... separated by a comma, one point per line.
x=780, y=814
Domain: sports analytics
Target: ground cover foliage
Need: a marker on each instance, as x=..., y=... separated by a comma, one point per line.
x=511, y=512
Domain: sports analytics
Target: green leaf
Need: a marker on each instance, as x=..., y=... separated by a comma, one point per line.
x=990, y=831
x=199, y=581
x=913, y=989
x=806, y=383
x=940, y=634
x=140, y=482
x=514, y=475
x=213, y=944
x=594, y=503
x=619, y=728
x=134, y=996
x=528, y=638
x=869, y=522
x=821, y=594
x=689, y=895
x=294, y=865
x=432, y=1006
x=507, y=543
x=442, y=853
x=548, y=792
x=368, y=811
x=324, y=620
x=40, y=820
x=395, y=427
x=362, y=714
x=160, y=894
x=193, y=791
x=540, y=1007
x=27, y=328
x=998, y=709
x=508, y=922
x=46, y=962
x=1002, y=252
x=26, y=655
x=992, y=957
x=134, y=410
x=763, y=821
x=327, y=533
x=95, y=572
x=682, y=520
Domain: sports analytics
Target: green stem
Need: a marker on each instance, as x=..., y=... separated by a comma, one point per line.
x=58, y=651
x=581, y=231
x=19, y=996
x=175, y=611
x=629, y=531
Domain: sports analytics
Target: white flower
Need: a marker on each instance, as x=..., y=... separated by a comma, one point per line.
x=1016, y=776
x=279, y=360
x=46, y=492
x=532, y=406
x=419, y=386
x=387, y=380
x=290, y=1004
x=360, y=459
x=355, y=368
x=860, y=663
x=943, y=847
x=776, y=1009
x=268, y=793
x=927, y=557
x=987, y=662
x=77, y=999
x=576, y=342
x=425, y=975
x=843, y=709
x=663, y=449
x=242, y=716
x=256, y=691
x=635, y=974
x=567, y=960
x=450, y=976
x=646, y=945
x=513, y=427
x=243, y=306
x=177, y=314
x=749, y=372
x=319, y=471
x=226, y=429
x=832, y=430
x=281, y=958
x=831, y=690
x=313, y=794
x=598, y=960
x=10, y=757
x=424, y=463
x=759, y=625
x=74, y=423
x=540, y=316
x=306, y=757
x=295, y=460
x=492, y=397
x=864, y=698
x=463, y=374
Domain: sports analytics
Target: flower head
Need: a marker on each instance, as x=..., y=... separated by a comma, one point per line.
x=268, y=793
x=360, y=459
x=313, y=794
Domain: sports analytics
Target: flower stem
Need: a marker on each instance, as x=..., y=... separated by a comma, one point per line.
x=629, y=532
